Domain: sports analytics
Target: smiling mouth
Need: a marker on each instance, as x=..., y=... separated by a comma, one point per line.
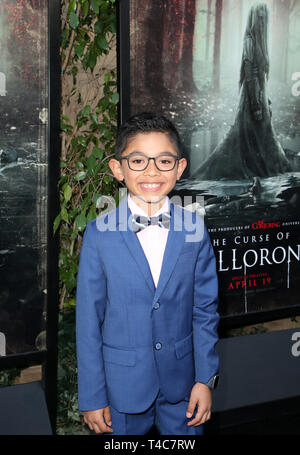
x=150, y=185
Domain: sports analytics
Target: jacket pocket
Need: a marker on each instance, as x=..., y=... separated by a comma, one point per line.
x=119, y=356
x=184, y=346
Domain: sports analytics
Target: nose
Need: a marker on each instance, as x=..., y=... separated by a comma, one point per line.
x=151, y=169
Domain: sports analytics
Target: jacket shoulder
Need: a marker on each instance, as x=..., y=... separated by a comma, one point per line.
x=191, y=223
x=101, y=222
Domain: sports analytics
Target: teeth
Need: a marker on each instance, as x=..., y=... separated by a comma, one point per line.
x=150, y=185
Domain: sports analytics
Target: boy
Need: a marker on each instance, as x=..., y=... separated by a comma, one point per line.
x=146, y=305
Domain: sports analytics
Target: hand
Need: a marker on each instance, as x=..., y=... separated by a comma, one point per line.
x=99, y=420
x=201, y=396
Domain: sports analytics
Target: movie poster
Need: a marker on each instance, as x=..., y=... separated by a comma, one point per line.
x=23, y=172
x=227, y=72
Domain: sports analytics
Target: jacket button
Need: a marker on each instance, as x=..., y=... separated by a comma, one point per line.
x=156, y=305
x=158, y=346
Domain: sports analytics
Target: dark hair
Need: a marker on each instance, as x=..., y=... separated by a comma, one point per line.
x=146, y=122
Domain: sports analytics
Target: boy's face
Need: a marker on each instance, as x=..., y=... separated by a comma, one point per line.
x=150, y=186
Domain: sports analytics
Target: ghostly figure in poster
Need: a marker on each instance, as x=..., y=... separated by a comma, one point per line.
x=250, y=148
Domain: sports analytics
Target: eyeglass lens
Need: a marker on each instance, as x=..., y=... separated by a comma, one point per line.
x=163, y=162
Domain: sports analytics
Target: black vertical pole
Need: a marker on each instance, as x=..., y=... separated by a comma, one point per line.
x=54, y=70
x=123, y=58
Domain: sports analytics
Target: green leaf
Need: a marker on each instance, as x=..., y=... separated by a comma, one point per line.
x=79, y=165
x=66, y=118
x=80, y=222
x=90, y=162
x=95, y=5
x=98, y=153
x=64, y=214
x=74, y=142
x=72, y=6
x=96, y=197
x=80, y=176
x=107, y=179
x=63, y=126
x=56, y=223
x=67, y=193
x=113, y=26
x=85, y=61
x=86, y=201
x=73, y=20
x=85, y=112
x=92, y=59
x=79, y=48
x=70, y=303
x=82, y=140
x=70, y=281
x=98, y=27
x=115, y=98
x=92, y=214
x=85, y=8
x=94, y=118
x=101, y=42
x=63, y=179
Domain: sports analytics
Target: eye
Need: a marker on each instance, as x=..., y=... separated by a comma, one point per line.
x=166, y=160
x=137, y=161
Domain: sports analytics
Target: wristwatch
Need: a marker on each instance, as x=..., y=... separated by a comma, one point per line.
x=213, y=382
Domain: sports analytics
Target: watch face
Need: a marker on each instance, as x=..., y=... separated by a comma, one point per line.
x=215, y=381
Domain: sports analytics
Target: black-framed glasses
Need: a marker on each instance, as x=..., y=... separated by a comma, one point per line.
x=139, y=162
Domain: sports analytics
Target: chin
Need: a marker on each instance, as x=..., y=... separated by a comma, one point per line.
x=153, y=198
x=150, y=198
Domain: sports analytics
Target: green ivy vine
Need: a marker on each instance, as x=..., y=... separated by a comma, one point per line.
x=88, y=130
x=88, y=35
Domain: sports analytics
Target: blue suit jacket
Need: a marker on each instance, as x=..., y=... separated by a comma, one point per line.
x=132, y=338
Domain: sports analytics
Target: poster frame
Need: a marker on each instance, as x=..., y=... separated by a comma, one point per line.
x=124, y=73
x=48, y=356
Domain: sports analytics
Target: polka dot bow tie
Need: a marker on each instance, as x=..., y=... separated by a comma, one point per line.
x=140, y=222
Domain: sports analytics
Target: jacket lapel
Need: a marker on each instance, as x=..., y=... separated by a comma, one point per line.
x=133, y=243
x=174, y=245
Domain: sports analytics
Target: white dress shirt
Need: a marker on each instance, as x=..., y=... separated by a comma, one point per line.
x=153, y=239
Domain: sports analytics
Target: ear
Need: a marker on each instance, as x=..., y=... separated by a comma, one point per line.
x=182, y=163
x=116, y=169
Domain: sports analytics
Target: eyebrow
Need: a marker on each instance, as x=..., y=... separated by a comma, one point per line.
x=137, y=152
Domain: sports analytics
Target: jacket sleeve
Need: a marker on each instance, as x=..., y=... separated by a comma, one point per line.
x=90, y=310
x=205, y=315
